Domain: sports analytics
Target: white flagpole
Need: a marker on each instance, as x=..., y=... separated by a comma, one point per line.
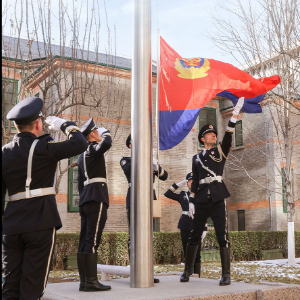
x=141, y=220
x=157, y=105
x=157, y=92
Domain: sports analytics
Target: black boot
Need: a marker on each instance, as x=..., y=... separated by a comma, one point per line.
x=225, y=261
x=189, y=263
x=80, y=270
x=197, y=268
x=90, y=270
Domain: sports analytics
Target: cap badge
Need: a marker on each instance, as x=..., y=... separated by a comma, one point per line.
x=211, y=127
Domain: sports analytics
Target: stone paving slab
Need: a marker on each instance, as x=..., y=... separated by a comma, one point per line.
x=170, y=288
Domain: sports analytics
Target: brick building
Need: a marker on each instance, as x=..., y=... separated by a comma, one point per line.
x=253, y=204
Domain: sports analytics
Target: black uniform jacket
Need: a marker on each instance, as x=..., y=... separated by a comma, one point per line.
x=39, y=213
x=125, y=163
x=185, y=222
x=218, y=190
x=95, y=165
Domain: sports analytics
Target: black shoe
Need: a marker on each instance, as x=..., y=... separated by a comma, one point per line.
x=225, y=261
x=197, y=268
x=225, y=279
x=185, y=277
x=80, y=270
x=189, y=263
x=156, y=280
x=91, y=283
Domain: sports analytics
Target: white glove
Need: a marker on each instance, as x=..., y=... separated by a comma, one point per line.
x=238, y=106
x=182, y=183
x=101, y=130
x=203, y=235
x=155, y=164
x=54, y=122
x=192, y=209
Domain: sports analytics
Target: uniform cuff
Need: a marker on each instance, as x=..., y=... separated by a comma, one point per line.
x=106, y=133
x=173, y=187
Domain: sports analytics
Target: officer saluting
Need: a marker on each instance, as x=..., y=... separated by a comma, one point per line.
x=208, y=193
x=93, y=203
x=185, y=223
x=158, y=171
x=31, y=218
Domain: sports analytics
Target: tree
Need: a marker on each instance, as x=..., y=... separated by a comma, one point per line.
x=59, y=61
x=263, y=37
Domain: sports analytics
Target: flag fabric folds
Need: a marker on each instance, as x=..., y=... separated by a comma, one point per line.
x=187, y=85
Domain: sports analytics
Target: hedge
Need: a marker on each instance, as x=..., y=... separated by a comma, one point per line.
x=245, y=245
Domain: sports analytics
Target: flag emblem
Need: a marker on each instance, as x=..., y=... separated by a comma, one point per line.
x=191, y=68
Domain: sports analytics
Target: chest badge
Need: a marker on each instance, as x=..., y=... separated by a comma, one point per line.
x=123, y=162
x=212, y=152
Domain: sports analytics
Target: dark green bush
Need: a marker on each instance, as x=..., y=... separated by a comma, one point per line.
x=245, y=245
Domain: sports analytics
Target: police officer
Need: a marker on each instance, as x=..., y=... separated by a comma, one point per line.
x=185, y=222
x=93, y=203
x=31, y=218
x=158, y=171
x=208, y=193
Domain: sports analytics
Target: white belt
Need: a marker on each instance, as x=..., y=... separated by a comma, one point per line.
x=33, y=193
x=186, y=213
x=210, y=179
x=96, y=179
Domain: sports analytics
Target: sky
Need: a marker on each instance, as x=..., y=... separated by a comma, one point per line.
x=184, y=24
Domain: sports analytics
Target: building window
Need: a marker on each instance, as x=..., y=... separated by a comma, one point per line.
x=9, y=98
x=207, y=116
x=241, y=219
x=238, y=134
x=225, y=104
x=73, y=194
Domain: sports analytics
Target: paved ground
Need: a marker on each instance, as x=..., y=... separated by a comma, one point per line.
x=168, y=288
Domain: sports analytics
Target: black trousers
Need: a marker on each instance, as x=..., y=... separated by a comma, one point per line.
x=26, y=263
x=217, y=212
x=93, y=218
x=185, y=234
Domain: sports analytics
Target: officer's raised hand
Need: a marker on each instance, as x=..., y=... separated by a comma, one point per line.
x=54, y=123
x=238, y=106
x=182, y=183
x=101, y=130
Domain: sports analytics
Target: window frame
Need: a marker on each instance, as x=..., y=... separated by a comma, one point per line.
x=200, y=146
x=71, y=194
x=225, y=108
x=16, y=93
x=234, y=138
x=241, y=226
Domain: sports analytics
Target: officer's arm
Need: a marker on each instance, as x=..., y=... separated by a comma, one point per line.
x=227, y=139
x=125, y=165
x=161, y=174
x=170, y=193
x=74, y=145
x=80, y=179
x=3, y=194
x=105, y=143
x=195, y=183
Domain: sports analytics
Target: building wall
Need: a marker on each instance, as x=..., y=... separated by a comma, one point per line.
x=249, y=174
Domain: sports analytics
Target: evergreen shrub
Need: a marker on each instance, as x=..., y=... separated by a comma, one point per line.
x=113, y=249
